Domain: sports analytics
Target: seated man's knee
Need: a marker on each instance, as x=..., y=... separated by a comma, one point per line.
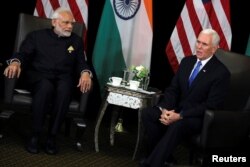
x=150, y=114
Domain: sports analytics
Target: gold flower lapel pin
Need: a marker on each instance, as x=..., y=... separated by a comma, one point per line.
x=70, y=49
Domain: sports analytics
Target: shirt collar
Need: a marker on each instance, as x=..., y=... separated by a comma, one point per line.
x=204, y=62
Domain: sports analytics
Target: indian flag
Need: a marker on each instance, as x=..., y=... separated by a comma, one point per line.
x=124, y=38
x=248, y=47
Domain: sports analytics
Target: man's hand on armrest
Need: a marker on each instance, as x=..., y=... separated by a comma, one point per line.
x=13, y=69
x=85, y=81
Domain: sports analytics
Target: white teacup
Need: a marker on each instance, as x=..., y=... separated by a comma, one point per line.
x=134, y=84
x=115, y=81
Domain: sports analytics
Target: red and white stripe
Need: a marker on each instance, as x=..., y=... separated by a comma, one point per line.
x=79, y=8
x=195, y=16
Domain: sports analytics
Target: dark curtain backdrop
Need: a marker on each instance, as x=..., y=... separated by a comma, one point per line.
x=165, y=16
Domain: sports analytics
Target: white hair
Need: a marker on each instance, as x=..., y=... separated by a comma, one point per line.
x=60, y=10
x=215, y=35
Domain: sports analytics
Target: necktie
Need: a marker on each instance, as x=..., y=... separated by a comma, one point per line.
x=195, y=72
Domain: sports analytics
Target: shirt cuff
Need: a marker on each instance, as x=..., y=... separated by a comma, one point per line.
x=90, y=73
x=181, y=115
x=13, y=60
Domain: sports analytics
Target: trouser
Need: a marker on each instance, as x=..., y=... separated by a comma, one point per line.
x=162, y=139
x=50, y=95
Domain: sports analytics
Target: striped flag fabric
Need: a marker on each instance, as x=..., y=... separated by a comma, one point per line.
x=79, y=8
x=124, y=38
x=195, y=16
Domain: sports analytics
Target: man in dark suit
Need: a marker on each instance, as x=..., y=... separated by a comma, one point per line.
x=180, y=114
x=53, y=57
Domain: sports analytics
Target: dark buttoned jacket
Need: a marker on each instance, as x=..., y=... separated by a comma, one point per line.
x=207, y=91
x=47, y=55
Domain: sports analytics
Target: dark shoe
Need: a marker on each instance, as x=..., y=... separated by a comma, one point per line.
x=32, y=146
x=50, y=147
x=171, y=161
x=169, y=164
x=142, y=163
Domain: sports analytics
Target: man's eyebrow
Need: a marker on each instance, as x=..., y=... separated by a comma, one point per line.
x=203, y=43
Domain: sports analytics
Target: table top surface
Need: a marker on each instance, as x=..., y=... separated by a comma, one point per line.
x=136, y=93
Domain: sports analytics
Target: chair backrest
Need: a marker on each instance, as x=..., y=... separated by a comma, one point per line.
x=239, y=66
x=28, y=23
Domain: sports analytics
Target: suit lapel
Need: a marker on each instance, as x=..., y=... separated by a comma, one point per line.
x=202, y=74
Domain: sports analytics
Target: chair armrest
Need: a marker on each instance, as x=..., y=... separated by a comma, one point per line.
x=224, y=129
x=207, y=121
x=83, y=102
x=9, y=86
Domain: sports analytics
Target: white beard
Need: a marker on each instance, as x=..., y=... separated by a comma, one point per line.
x=61, y=32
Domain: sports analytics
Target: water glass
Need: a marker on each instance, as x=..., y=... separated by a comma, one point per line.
x=145, y=83
x=125, y=78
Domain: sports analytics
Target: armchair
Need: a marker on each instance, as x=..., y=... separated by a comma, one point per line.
x=226, y=132
x=17, y=98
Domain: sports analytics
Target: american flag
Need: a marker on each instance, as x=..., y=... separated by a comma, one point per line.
x=195, y=16
x=79, y=8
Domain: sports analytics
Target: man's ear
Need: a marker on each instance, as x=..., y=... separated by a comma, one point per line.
x=53, y=22
x=215, y=48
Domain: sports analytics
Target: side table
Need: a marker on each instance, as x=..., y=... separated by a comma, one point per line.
x=122, y=96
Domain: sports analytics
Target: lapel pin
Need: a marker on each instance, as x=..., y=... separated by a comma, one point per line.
x=70, y=49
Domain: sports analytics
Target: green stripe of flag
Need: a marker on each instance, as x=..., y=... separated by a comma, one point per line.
x=248, y=47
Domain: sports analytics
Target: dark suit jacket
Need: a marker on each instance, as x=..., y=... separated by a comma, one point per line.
x=207, y=91
x=46, y=55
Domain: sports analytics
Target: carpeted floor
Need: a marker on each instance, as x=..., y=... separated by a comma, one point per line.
x=12, y=152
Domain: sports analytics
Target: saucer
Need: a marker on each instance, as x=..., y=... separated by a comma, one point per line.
x=128, y=87
x=109, y=83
